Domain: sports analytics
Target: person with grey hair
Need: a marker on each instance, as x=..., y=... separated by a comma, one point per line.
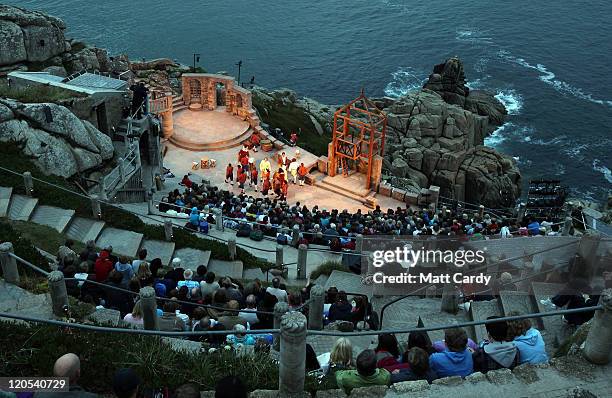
x=251, y=305
x=68, y=365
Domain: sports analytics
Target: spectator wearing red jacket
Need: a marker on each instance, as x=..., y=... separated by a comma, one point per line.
x=104, y=265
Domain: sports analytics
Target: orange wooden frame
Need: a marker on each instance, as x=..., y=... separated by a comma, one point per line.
x=358, y=135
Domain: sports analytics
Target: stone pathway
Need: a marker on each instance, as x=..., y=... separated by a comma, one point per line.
x=159, y=249
x=5, y=199
x=191, y=258
x=123, y=242
x=21, y=207
x=233, y=269
x=53, y=217
x=14, y=299
x=84, y=229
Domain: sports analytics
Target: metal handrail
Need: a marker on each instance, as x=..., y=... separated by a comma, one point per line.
x=29, y=264
x=309, y=332
x=484, y=267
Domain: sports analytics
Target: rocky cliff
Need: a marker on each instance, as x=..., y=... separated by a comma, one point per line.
x=436, y=136
x=285, y=110
x=60, y=143
x=31, y=40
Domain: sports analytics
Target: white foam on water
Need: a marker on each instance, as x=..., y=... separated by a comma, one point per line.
x=574, y=150
x=512, y=100
x=404, y=80
x=473, y=36
x=481, y=65
x=498, y=136
x=477, y=84
x=554, y=141
x=597, y=166
x=549, y=78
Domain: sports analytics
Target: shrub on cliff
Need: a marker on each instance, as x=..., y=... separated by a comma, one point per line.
x=31, y=350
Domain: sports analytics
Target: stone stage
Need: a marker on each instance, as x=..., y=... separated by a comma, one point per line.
x=204, y=130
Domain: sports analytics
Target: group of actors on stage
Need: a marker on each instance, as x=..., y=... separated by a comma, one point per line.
x=278, y=182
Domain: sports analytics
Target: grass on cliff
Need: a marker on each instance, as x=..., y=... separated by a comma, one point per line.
x=25, y=248
x=12, y=158
x=35, y=94
x=289, y=118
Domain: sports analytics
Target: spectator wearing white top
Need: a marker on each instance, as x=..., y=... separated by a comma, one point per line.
x=251, y=305
x=275, y=290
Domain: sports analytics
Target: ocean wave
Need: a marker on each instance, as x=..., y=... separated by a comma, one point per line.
x=481, y=65
x=574, y=150
x=403, y=81
x=473, y=36
x=549, y=78
x=512, y=100
x=499, y=135
x=597, y=166
x=508, y=131
x=477, y=84
x=554, y=141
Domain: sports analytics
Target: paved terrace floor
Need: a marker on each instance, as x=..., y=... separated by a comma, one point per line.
x=207, y=127
x=179, y=161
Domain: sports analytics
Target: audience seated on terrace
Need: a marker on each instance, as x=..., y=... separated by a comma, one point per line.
x=456, y=359
x=417, y=367
x=365, y=375
x=496, y=352
x=528, y=340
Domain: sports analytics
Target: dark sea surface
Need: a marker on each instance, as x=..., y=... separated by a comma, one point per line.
x=549, y=62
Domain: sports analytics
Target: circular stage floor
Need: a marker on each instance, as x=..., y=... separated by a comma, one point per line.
x=208, y=130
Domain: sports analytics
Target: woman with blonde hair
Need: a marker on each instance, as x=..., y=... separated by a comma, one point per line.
x=135, y=317
x=144, y=274
x=340, y=357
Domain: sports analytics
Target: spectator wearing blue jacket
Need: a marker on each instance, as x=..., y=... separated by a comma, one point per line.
x=533, y=227
x=528, y=340
x=456, y=360
x=194, y=217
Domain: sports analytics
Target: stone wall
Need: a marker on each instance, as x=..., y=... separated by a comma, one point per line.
x=201, y=88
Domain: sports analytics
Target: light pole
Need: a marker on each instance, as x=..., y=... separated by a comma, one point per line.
x=239, y=64
x=196, y=58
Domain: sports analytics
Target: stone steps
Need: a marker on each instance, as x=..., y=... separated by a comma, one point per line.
x=84, y=229
x=191, y=258
x=123, y=242
x=480, y=311
x=553, y=328
x=53, y=217
x=176, y=108
x=213, y=146
x=233, y=269
x=21, y=207
x=5, y=200
x=369, y=201
x=159, y=249
x=521, y=302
